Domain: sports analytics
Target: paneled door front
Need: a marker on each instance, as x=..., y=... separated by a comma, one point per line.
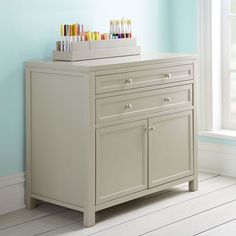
x=121, y=160
x=170, y=148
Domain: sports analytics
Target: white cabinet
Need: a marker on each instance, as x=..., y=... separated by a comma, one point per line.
x=103, y=132
x=121, y=160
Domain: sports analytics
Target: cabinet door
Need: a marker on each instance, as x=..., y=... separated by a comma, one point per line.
x=170, y=148
x=121, y=160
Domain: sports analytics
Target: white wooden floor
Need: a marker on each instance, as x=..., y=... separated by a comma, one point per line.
x=209, y=211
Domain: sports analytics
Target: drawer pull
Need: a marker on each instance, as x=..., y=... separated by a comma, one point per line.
x=167, y=99
x=128, y=106
x=152, y=128
x=129, y=81
x=168, y=76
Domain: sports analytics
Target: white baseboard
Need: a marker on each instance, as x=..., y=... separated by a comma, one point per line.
x=217, y=158
x=12, y=193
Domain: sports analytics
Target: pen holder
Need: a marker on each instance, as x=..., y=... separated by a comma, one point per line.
x=87, y=50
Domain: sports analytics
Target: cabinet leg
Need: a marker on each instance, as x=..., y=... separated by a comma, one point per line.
x=193, y=185
x=89, y=219
x=31, y=203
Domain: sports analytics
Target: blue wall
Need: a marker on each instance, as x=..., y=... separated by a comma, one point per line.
x=29, y=30
x=184, y=25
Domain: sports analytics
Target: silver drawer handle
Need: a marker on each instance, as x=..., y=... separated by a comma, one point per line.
x=129, y=81
x=168, y=76
x=152, y=128
x=128, y=106
x=167, y=99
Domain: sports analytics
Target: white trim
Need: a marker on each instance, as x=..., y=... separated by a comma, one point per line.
x=217, y=158
x=210, y=64
x=205, y=91
x=216, y=64
x=198, y=83
x=12, y=193
x=11, y=180
x=226, y=20
x=225, y=55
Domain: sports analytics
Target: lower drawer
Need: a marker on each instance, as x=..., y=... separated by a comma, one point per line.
x=125, y=106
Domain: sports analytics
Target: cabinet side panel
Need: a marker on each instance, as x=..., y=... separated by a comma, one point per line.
x=58, y=129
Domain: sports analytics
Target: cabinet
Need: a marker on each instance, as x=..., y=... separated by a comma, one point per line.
x=103, y=132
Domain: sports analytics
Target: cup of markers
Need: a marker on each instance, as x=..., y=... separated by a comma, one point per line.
x=119, y=29
x=69, y=34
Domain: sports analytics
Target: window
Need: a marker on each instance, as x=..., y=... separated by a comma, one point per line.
x=229, y=63
x=217, y=93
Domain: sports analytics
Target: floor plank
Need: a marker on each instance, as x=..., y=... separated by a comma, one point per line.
x=204, y=176
x=48, y=219
x=161, y=218
x=25, y=215
x=122, y=214
x=226, y=228
x=43, y=224
x=200, y=222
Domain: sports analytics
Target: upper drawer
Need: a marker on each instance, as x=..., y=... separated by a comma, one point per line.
x=125, y=106
x=136, y=79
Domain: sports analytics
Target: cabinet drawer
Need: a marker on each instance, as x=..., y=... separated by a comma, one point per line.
x=122, y=107
x=136, y=79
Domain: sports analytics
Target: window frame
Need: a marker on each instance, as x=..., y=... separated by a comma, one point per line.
x=210, y=50
x=226, y=66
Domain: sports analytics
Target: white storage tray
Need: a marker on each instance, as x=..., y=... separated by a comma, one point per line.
x=98, y=49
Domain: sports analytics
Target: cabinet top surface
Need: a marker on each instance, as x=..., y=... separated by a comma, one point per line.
x=116, y=62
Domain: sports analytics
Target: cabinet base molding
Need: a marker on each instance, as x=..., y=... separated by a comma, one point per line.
x=12, y=191
x=87, y=215
x=144, y=193
x=59, y=203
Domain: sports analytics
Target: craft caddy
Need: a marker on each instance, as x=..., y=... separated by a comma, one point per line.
x=77, y=44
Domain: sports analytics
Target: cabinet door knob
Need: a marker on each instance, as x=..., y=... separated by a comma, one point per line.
x=152, y=128
x=128, y=106
x=167, y=99
x=129, y=81
x=168, y=76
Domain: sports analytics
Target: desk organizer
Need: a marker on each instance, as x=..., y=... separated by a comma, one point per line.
x=87, y=50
